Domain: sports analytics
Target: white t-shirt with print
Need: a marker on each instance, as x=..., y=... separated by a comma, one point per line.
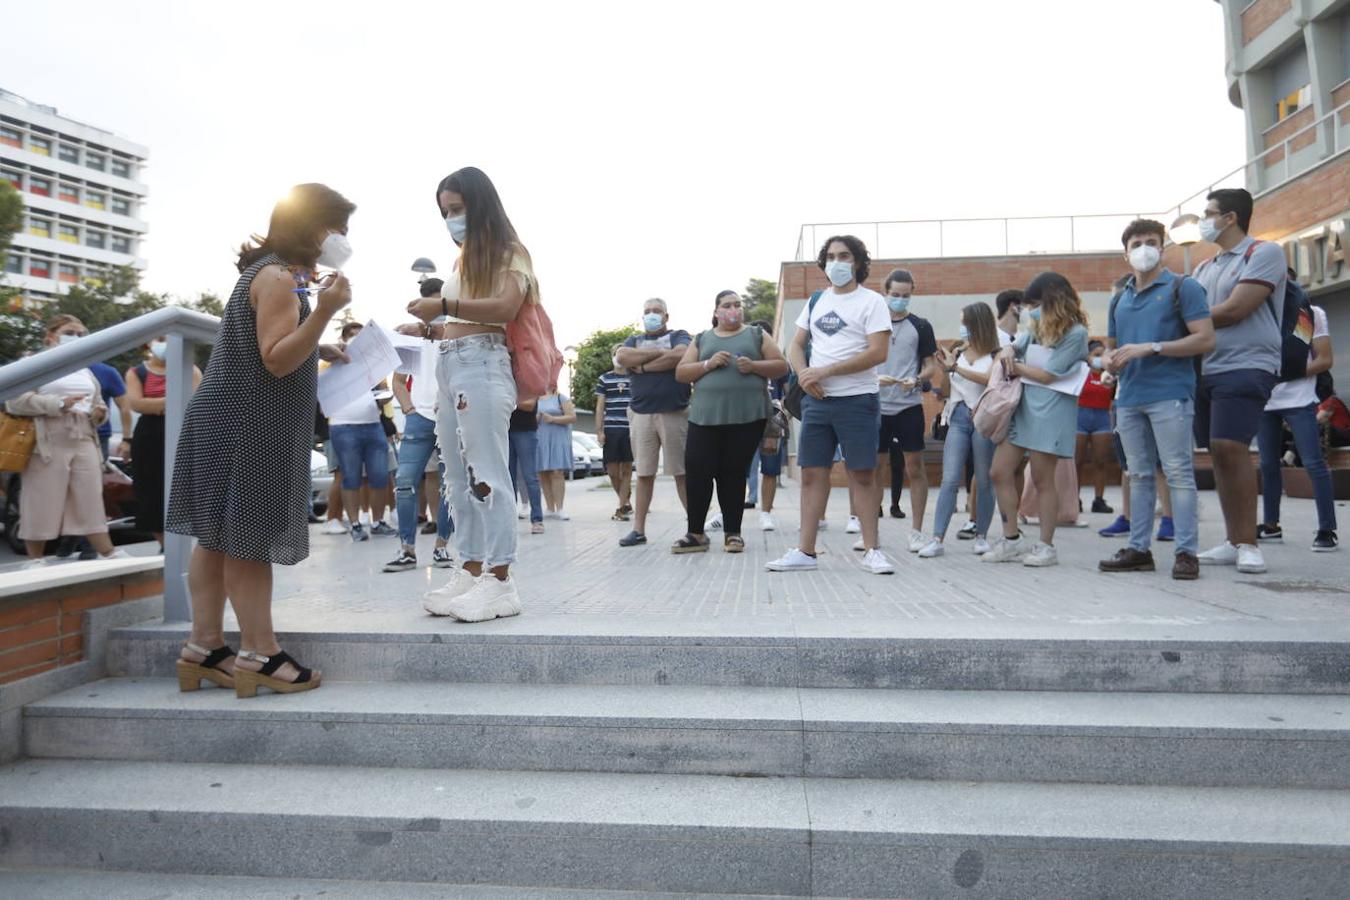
x=1301, y=392
x=839, y=325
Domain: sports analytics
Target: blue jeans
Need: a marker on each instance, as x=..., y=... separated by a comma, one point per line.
x=524, y=462
x=419, y=442
x=1154, y=435
x=362, y=450
x=476, y=393
x=752, y=479
x=1308, y=440
x=963, y=441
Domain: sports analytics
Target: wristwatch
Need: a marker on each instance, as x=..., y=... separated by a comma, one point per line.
x=1156, y=347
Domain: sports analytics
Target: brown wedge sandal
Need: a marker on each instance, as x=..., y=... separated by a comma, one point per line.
x=733, y=543
x=192, y=674
x=247, y=682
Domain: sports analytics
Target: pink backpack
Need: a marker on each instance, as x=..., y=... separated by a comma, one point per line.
x=535, y=359
x=994, y=410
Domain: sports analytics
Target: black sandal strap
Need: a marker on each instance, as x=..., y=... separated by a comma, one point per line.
x=689, y=541
x=216, y=657
x=279, y=659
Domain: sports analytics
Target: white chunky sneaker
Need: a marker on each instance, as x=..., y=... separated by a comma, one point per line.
x=859, y=546
x=333, y=526
x=981, y=546
x=1249, y=559
x=823, y=525
x=1041, y=555
x=853, y=526
x=1005, y=550
x=917, y=541
x=1223, y=555
x=438, y=602
x=875, y=561
x=490, y=598
x=765, y=521
x=931, y=549
x=792, y=561
x=713, y=524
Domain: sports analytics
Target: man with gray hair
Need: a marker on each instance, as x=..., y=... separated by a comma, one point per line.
x=659, y=411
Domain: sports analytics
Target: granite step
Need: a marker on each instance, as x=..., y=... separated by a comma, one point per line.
x=511, y=653
x=678, y=833
x=1105, y=737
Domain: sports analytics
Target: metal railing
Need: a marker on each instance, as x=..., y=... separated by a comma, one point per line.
x=185, y=329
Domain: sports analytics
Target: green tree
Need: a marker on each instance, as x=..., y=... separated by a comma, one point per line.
x=20, y=331
x=593, y=360
x=11, y=215
x=761, y=300
x=102, y=302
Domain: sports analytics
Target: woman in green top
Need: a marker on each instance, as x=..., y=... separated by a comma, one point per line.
x=730, y=366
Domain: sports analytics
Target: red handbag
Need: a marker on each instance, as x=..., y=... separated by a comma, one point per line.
x=536, y=360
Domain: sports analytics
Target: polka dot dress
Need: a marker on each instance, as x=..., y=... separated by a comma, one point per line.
x=241, y=479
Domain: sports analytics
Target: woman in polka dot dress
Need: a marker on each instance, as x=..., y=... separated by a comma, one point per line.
x=241, y=474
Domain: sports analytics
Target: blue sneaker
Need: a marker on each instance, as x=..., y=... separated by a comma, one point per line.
x=1119, y=528
x=1165, y=530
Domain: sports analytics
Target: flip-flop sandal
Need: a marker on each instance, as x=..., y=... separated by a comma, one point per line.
x=689, y=544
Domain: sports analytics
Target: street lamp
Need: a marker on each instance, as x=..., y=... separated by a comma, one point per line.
x=423, y=267
x=1184, y=232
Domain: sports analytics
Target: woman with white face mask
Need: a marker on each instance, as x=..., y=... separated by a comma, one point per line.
x=63, y=482
x=146, y=390
x=241, y=480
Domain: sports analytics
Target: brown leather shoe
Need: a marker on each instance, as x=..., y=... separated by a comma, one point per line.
x=1186, y=567
x=1128, y=559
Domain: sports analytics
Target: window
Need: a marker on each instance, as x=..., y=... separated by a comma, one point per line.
x=68, y=192
x=1293, y=102
x=95, y=161
x=67, y=273
x=10, y=136
x=68, y=233
x=121, y=244
x=96, y=239
x=40, y=268
x=68, y=153
x=40, y=186
x=40, y=146
x=121, y=205
x=40, y=228
x=12, y=177
x=94, y=199
x=121, y=167
x=13, y=263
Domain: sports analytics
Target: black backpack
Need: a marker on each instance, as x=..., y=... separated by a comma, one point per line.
x=1294, y=349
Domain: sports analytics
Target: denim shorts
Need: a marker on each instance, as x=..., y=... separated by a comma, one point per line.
x=771, y=464
x=363, y=452
x=1228, y=405
x=848, y=423
x=1094, y=421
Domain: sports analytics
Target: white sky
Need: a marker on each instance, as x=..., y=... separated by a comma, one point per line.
x=641, y=150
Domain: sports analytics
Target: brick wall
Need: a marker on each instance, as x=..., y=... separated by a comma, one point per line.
x=1260, y=16
x=1311, y=198
x=1340, y=97
x=1282, y=131
x=43, y=630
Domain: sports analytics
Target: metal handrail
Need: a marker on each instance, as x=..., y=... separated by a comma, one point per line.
x=184, y=328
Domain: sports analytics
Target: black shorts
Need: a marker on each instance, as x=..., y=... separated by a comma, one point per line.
x=618, y=448
x=1228, y=405
x=904, y=430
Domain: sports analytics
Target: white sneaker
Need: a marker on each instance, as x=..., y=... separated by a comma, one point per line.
x=1249, y=559
x=40, y=563
x=1005, y=550
x=334, y=526
x=523, y=511
x=438, y=602
x=792, y=561
x=119, y=553
x=917, y=541
x=490, y=598
x=931, y=549
x=1223, y=555
x=875, y=561
x=853, y=526
x=823, y=525
x=981, y=547
x=1041, y=555
x=714, y=524
x=765, y=521
x=859, y=546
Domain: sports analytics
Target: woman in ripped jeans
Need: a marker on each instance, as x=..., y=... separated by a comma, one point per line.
x=493, y=277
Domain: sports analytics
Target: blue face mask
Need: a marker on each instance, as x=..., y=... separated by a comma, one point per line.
x=458, y=226
x=898, y=304
x=963, y=333
x=652, y=321
x=1036, y=314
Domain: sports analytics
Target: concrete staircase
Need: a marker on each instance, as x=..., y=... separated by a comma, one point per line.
x=754, y=765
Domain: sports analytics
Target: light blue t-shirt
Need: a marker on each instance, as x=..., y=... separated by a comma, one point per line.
x=1151, y=316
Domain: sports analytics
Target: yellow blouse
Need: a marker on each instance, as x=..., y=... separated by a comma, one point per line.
x=452, y=288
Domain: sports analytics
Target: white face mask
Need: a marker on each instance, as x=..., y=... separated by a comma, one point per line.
x=840, y=272
x=67, y=338
x=1210, y=230
x=335, y=251
x=159, y=349
x=1145, y=258
x=615, y=360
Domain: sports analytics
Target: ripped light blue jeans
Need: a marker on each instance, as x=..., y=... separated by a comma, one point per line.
x=477, y=394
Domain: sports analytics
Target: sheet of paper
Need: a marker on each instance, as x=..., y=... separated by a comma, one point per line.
x=1071, y=384
x=372, y=358
x=409, y=350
